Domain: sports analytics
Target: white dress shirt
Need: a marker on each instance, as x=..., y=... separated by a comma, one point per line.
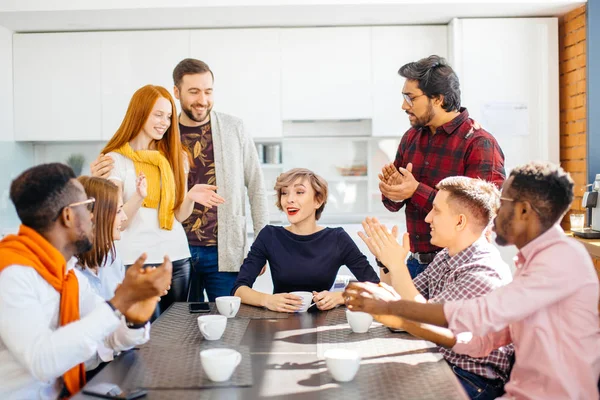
x=34, y=351
x=109, y=276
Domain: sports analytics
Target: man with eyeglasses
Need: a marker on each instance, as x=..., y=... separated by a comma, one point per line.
x=550, y=309
x=443, y=141
x=51, y=321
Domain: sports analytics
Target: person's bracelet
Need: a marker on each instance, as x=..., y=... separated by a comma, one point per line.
x=383, y=267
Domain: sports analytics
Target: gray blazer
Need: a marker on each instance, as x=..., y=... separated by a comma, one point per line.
x=237, y=169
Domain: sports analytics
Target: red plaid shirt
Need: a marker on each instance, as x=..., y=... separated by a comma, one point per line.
x=473, y=272
x=459, y=148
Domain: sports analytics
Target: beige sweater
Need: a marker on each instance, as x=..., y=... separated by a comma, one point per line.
x=237, y=169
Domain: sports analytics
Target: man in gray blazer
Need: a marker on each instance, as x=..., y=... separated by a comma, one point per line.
x=223, y=156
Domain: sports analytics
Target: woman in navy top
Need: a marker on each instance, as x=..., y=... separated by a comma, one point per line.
x=303, y=256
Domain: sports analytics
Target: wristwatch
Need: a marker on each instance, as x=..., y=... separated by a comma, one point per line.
x=119, y=315
x=383, y=267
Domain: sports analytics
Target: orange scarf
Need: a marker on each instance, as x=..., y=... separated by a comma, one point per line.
x=30, y=249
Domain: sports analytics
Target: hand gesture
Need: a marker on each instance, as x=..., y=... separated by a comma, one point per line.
x=141, y=185
x=142, y=286
x=284, y=302
x=326, y=300
x=369, y=297
x=402, y=188
x=102, y=166
x=383, y=244
x=142, y=311
x=390, y=175
x=205, y=195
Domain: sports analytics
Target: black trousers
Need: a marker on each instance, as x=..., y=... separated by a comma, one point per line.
x=180, y=284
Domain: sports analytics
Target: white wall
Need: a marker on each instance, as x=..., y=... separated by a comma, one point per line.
x=6, y=84
x=14, y=158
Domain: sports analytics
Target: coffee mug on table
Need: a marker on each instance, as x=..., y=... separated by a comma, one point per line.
x=228, y=305
x=360, y=322
x=219, y=364
x=306, y=300
x=342, y=364
x=212, y=326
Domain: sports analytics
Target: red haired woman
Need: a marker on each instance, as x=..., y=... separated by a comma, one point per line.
x=151, y=170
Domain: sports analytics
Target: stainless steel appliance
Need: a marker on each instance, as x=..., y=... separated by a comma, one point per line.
x=590, y=200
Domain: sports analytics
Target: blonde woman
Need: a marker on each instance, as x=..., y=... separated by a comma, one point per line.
x=302, y=256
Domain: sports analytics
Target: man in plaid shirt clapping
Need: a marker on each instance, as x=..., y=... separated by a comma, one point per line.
x=443, y=141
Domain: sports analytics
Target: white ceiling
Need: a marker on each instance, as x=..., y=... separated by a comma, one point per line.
x=80, y=15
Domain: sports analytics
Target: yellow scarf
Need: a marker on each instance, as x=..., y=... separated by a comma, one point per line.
x=29, y=248
x=161, y=182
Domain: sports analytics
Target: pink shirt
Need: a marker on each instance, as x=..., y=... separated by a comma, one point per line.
x=550, y=311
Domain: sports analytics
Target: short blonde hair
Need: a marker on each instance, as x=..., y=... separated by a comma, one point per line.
x=479, y=198
x=318, y=184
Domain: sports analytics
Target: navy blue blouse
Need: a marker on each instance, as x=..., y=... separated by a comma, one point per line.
x=303, y=262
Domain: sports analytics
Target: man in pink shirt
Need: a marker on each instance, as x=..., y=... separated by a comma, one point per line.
x=549, y=311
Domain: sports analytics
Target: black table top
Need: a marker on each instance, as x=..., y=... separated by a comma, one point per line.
x=287, y=359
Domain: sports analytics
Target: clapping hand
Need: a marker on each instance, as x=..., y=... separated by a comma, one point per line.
x=390, y=175
x=205, y=195
x=372, y=298
x=375, y=300
x=398, y=185
x=383, y=244
x=141, y=289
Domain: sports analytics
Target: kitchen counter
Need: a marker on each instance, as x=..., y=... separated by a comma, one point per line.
x=591, y=245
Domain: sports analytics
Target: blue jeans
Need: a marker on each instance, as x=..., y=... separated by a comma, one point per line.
x=478, y=387
x=205, y=275
x=414, y=268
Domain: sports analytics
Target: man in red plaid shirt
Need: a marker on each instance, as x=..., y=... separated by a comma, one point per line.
x=442, y=142
x=468, y=266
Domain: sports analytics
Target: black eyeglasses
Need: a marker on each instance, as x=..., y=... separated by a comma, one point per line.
x=89, y=203
x=525, y=201
x=408, y=100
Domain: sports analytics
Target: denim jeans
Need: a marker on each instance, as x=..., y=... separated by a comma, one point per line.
x=206, y=275
x=414, y=268
x=478, y=387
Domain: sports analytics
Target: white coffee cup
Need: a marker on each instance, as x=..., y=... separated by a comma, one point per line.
x=212, y=326
x=360, y=322
x=306, y=300
x=228, y=305
x=219, y=364
x=342, y=364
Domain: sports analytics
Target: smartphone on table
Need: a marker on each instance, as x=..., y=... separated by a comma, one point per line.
x=112, y=391
x=202, y=307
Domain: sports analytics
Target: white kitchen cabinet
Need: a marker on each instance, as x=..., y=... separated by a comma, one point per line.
x=508, y=70
x=247, y=68
x=393, y=47
x=326, y=73
x=57, y=86
x=134, y=59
